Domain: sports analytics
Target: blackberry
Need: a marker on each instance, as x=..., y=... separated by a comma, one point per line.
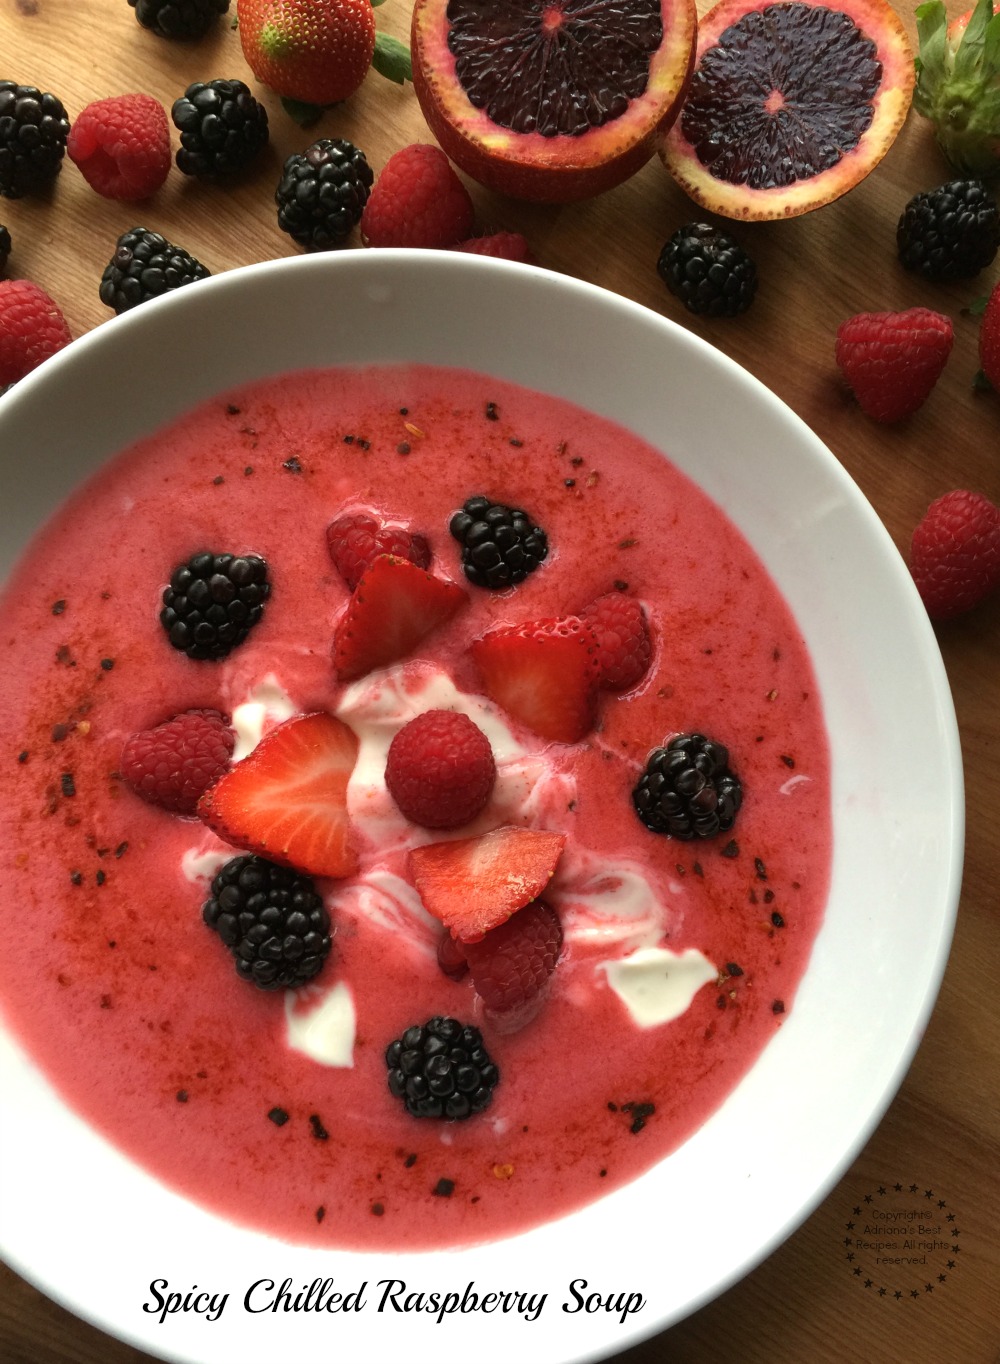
x=179, y=18
x=213, y=602
x=144, y=266
x=272, y=919
x=500, y=545
x=33, y=132
x=951, y=232
x=707, y=271
x=687, y=789
x=441, y=1070
x=5, y=248
x=222, y=128
x=322, y=193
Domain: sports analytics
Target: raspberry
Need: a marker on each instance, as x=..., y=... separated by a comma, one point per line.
x=511, y=965
x=418, y=200
x=122, y=146
x=501, y=245
x=893, y=360
x=955, y=553
x=357, y=538
x=440, y=770
x=173, y=764
x=31, y=329
x=624, y=648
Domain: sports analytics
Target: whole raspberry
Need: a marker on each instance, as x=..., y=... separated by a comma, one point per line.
x=357, y=538
x=624, y=647
x=511, y=965
x=440, y=770
x=418, y=200
x=955, y=553
x=173, y=764
x=989, y=339
x=501, y=245
x=893, y=360
x=122, y=146
x=31, y=329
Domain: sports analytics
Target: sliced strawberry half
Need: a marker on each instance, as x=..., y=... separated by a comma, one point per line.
x=287, y=800
x=544, y=673
x=474, y=884
x=394, y=606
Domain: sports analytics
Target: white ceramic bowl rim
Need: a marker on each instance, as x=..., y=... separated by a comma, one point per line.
x=93, y=1231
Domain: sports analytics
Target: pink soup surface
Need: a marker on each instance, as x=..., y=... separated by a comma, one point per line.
x=131, y=1005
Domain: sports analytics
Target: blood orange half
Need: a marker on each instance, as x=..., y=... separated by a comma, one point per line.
x=551, y=100
x=792, y=103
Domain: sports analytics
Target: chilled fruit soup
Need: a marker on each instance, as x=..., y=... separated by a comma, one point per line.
x=679, y=959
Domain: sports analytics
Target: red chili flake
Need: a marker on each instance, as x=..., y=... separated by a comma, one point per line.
x=107, y=664
x=122, y=849
x=58, y=607
x=576, y=461
x=492, y=412
x=768, y=897
x=760, y=869
x=68, y=784
x=778, y=1007
x=404, y=411
x=410, y=1160
x=720, y=1002
x=217, y=480
x=23, y=756
x=320, y=1213
x=59, y=733
x=732, y=849
x=732, y=969
x=182, y=1096
x=248, y=471
x=569, y=482
x=620, y=585
x=377, y=1209
x=612, y=1107
x=292, y=464
x=640, y=1112
x=232, y=410
x=627, y=544
x=444, y=1188
x=777, y=920
x=787, y=760
x=698, y=869
x=318, y=1130
x=100, y=878
x=278, y=1116
x=602, y=1173
x=403, y=448
x=516, y=443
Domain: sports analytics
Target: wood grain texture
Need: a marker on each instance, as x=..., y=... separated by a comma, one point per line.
x=943, y=1130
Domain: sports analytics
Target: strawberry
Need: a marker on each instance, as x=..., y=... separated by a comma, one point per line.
x=393, y=607
x=440, y=770
x=312, y=51
x=955, y=553
x=174, y=763
x=287, y=800
x=502, y=245
x=893, y=360
x=989, y=339
x=355, y=538
x=543, y=673
x=511, y=965
x=624, y=648
x=418, y=200
x=122, y=146
x=32, y=328
x=474, y=884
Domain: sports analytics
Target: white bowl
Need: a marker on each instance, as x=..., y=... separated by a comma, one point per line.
x=94, y=1231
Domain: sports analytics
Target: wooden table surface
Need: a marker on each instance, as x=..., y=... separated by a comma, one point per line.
x=942, y=1133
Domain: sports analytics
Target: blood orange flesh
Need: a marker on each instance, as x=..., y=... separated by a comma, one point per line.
x=550, y=100
x=791, y=104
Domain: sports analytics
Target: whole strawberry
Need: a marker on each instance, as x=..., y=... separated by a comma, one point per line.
x=122, y=146
x=418, y=200
x=893, y=360
x=955, y=553
x=989, y=339
x=32, y=328
x=313, y=51
x=174, y=764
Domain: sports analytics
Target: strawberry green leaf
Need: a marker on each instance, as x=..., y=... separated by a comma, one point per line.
x=977, y=307
x=932, y=27
x=392, y=59
x=980, y=383
x=305, y=115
